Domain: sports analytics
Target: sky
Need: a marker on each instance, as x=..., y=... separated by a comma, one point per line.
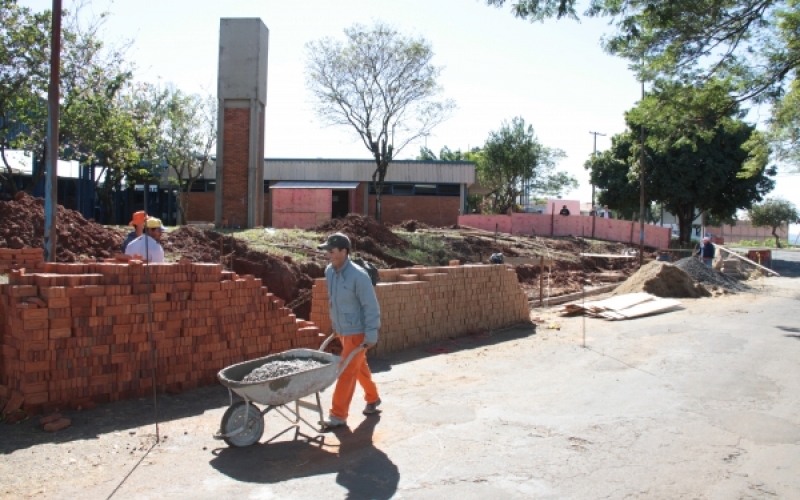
x=555, y=74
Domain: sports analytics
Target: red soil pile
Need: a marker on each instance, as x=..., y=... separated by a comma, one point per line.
x=285, y=280
x=412, y=225
x=357, y=227
x=22, y=226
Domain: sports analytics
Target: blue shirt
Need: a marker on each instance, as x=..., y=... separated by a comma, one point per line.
x=352, y=302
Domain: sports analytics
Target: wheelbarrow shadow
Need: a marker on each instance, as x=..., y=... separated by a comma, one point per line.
x=364, y=470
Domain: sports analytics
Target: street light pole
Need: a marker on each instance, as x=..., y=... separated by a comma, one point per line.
x=594, y=157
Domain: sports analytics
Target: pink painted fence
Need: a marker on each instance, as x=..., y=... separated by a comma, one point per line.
x=570, y=225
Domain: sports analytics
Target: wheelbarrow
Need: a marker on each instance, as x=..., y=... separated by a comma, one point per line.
x=243, y=422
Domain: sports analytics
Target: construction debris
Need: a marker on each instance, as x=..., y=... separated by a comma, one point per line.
x=710, y=277
x=621, y=307
x=662, y=280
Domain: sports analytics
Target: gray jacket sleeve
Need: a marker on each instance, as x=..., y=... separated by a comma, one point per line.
x=369, y=303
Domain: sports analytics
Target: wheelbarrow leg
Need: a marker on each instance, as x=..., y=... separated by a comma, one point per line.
x=319, y=409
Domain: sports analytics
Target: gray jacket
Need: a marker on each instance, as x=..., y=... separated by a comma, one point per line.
x=352, y=302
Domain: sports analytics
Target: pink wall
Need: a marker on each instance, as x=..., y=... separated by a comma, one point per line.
x=301, y=208
x=572, y=225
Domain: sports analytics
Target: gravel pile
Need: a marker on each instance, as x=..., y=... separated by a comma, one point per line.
x=708, y=276
x=281, y=368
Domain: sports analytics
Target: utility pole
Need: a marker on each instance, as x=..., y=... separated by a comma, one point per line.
x=641, y=192
x=594, y=157
x=51, y=158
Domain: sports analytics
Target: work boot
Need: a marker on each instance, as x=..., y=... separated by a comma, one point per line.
x=371, y=408
x=334, y=422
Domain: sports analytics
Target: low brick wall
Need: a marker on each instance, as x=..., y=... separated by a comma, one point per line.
x=421, y=305
x=22, y=258
x=79, y=332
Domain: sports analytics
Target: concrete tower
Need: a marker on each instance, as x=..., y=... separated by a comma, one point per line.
x=242, y=97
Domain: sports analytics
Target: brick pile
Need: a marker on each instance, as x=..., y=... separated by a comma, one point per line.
x=22, y=258
x=78, y=334
x=421, y=305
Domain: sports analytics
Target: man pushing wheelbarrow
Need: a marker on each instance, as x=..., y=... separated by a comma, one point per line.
x=356, y=317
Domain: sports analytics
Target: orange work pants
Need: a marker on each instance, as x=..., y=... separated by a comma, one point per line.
x=356, y=371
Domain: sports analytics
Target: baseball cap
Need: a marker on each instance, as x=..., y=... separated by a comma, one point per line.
x=153, y=223
x=138, y=218
x=336, y=240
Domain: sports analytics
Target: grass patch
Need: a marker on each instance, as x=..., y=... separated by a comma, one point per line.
x=278, y=242
x=767, y=243
x=431, y=249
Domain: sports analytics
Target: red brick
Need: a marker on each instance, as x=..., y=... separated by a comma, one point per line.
x=57, y=425
x=49, y=418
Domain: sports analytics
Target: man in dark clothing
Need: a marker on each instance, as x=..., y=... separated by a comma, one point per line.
x=564, y=211
x=706, y=251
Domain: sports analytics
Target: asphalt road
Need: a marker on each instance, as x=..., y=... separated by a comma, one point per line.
x=696, y=403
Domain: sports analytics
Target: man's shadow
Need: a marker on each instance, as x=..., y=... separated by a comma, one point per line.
x=364, y=470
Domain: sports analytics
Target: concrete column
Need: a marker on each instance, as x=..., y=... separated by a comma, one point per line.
x=242, y=98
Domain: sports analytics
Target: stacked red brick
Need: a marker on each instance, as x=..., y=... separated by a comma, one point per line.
x=423, y=305
x=80, y=332
x=22, y=258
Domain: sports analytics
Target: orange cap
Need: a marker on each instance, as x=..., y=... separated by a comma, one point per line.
x=138, y=218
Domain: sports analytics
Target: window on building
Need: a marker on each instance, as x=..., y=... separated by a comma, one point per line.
x=387, y=188
x=425, y=189
x=266, y=186
x=403, y=189
x=449, y=190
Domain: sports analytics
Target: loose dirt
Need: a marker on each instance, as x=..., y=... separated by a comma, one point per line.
x=662, y=280
x=22, y=226
x=286, y=280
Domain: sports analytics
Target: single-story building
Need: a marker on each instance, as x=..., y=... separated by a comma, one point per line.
x=304, y=193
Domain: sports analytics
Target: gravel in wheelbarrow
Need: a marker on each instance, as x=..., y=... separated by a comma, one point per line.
x=280, y=368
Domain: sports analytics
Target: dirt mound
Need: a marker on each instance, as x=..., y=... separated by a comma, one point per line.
x=357, y=227
x=22, y=225
x=662, y=280
x=412, y=225
x=285, y=280
x=708, y=276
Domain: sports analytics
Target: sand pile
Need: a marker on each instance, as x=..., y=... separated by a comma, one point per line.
x=22, y=226
x=662, y=280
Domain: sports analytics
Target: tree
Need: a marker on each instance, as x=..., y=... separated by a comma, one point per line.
x=513, y=159
x=445, y=154
x=701, y=157
x=774, y=213
x=751, y=43
x=380, y=83
x=24, y=49
x=187, y=139
x=609, y=172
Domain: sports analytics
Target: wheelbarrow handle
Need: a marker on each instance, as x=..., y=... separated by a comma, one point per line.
x=327, y=341
x=343, y=364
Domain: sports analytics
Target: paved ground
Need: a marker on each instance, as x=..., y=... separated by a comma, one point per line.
x=698, y=403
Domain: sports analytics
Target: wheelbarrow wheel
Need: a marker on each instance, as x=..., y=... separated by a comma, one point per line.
x=246, y=416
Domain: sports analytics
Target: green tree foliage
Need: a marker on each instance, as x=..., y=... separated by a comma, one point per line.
x=694, y=161
x=24, y=52
x=751, y=43
x=774, y=213
x=380, y=83
x=445, y=154
x=513, y=159
x=188, y=134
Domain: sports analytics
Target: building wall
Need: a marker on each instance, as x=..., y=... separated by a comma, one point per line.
x=301, y=208
x=432, y=210
x=201, y=208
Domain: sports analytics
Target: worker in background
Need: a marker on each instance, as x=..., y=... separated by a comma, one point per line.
x=706, y=251
x=137, y=221
x=605, y=213
x=356, y=317
x=564, y=211
x=148, y=246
